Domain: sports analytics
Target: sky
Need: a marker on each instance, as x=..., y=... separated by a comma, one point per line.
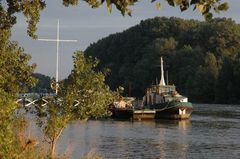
x=87, y=25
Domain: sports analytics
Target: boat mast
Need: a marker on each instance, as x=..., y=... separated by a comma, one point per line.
x=156, y=81
x=167, y=76
x=162, y=81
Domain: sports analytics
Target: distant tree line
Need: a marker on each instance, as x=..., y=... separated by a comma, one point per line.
x=43, y=84
x=202, y=58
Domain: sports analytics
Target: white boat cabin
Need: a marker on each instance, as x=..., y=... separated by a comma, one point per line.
x=162, y=93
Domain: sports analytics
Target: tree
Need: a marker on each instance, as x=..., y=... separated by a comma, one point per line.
x=236, y=73
x=83, y=95
x=183, y=64
x=88, y=88
x=54, y=122
x=15, y=76
x=31, y=9
x=228, y=81
x=204, y=80
x=7, y=139
x=43, y=84
x=15, y=72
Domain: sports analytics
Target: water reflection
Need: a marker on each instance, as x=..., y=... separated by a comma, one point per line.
x=183, y=125
x=123, y=139
x=173, y=138
x=205, y=135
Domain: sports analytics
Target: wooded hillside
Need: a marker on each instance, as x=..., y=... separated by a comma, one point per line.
x=202, y=58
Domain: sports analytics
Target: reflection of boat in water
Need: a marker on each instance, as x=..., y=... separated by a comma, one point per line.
x=160, y=101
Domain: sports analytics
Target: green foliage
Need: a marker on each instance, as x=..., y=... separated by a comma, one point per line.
x=7, y=107
x=88, y=87
x=53, y=122
x=228, y=82
x=15, y=75
x=205, y=7
x=43, y=84
x=194, y=54
x=204, y=80
x=15, y=72
x=31, y=9
x=83, y=95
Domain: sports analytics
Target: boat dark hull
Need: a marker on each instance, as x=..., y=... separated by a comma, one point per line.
x=173, y=110
x=173, y=113
x=178, y=111
x=121, y=113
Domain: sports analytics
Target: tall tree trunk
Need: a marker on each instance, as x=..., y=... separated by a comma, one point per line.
x=53, y=147
x=54, y=142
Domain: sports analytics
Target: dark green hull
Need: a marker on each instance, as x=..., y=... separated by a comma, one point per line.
x=173, y=110
x=121, y=113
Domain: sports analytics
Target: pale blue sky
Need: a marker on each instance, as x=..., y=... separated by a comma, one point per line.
x=88, y=25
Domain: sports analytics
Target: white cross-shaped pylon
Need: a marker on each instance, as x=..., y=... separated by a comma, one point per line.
x=57, y=40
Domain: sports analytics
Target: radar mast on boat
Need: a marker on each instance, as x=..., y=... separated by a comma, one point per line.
x=162, y=81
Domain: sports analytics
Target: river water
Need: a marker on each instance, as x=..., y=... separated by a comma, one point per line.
x=213, y=131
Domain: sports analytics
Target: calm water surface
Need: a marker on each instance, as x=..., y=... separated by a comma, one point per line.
x=213, y=131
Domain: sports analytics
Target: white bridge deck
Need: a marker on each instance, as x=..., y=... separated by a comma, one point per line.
x=31, y=99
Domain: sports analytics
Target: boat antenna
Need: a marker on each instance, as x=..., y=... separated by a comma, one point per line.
x=162, y=81
x=129, y=89
x=167, y=76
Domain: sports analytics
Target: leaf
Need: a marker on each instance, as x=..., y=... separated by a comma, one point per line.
x=171, y=2
x=201, y=7
x=208, y=16
x=158, y=6
x=223, y=6
x=216, y=10
x=109, y=5
x=129, y=13
x=194, y=2
x=184, y=6
x=178, y=2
